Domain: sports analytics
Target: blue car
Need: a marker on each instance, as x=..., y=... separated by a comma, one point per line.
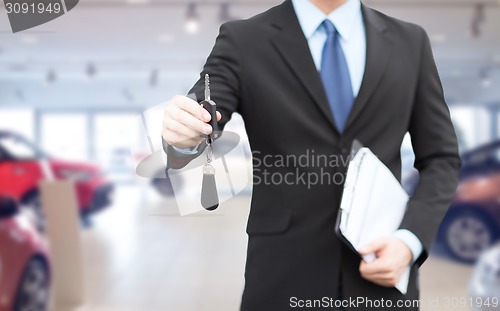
x=472, y=224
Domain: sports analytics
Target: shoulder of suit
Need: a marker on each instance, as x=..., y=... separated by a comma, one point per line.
x=255, y=24
x=399, y=26
x=261, y=22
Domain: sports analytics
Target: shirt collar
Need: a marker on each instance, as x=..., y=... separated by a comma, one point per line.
x=310, y=17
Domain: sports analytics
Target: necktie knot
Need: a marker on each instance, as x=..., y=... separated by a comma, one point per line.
x=329, y=27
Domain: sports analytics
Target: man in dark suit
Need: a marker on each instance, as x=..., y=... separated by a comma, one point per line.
x=310, y=77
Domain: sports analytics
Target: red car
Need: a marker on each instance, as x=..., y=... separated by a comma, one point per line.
x=21, y=171
x=24, y=262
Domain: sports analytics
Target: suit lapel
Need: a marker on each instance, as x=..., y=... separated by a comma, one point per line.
x=378, y=55
x=294, y=48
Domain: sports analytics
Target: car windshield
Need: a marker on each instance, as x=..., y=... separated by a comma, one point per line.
x=481, y=162
x=20, y=148
x=491, y=155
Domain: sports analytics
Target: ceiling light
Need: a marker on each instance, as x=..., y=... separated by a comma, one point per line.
x=20, y=95
x=192, y=27
x=484, y=74
x=153, y=79
x=192, y=19
x=478, y=20
x=128, y=95
x=225, y=15
x=90, y=71
x=51, y=77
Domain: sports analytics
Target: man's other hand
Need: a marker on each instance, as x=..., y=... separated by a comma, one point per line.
x=183, y=122
x=393, y=257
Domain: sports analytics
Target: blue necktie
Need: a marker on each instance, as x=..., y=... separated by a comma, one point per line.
x=336, y=78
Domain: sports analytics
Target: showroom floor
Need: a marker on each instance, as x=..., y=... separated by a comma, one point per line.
x=141, y=256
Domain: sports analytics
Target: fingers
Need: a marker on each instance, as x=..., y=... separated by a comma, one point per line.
x=379, y=272
x=373, y=247
x=195, y=109
x=183, y=122
x=191, y=107
x=182, y=117
x=390, y=263
x=379, y=266
x=182, y=130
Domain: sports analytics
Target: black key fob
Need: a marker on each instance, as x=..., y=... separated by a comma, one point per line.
x=211, y=107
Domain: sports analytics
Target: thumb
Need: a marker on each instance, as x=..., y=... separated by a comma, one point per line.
x=373, y=247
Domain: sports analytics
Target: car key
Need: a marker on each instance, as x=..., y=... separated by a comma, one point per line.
x=211, y=107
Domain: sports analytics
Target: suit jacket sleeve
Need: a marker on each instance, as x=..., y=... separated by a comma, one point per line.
x=436, y=154
x=223, y=66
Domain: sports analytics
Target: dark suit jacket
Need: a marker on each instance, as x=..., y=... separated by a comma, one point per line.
x=262, y=68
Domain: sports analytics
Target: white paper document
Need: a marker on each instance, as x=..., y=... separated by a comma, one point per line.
x=373, y=205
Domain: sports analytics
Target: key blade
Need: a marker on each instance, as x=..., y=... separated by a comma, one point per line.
x=207, y=87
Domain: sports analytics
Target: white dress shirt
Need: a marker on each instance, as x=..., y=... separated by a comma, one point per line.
x=348, y=20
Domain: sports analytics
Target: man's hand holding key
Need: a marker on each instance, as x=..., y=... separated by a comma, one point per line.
x=183, y=122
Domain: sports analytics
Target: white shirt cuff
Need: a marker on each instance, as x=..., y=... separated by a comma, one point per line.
x=187, y=151
x=411, y=240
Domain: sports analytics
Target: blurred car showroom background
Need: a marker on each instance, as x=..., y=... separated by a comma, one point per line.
x=81, y=99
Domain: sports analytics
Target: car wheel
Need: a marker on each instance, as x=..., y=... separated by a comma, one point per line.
x=33, y=290
x=32, y=207
x=468, y=232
